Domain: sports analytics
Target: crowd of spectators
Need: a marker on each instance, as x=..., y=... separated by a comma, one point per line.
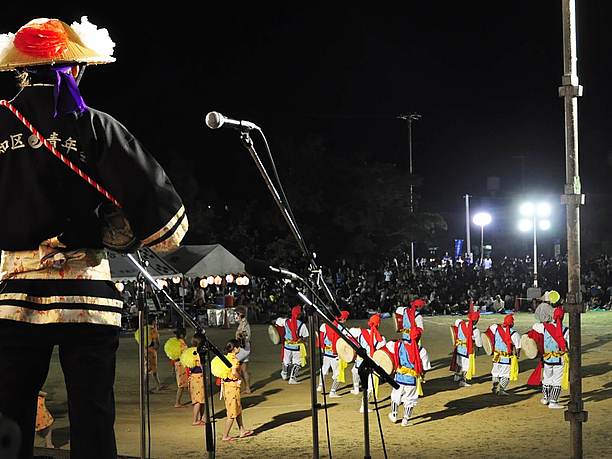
x=446, y=284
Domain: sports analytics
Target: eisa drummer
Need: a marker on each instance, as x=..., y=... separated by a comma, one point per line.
x=328, y=339
x=505, y=344
x=410, y=361
x=294, y=349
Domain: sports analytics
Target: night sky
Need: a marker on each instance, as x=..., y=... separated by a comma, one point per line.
x=483, y=77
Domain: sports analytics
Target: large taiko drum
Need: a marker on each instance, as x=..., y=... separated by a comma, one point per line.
x=529, y=347
x=487, y=343
x=385, y=359
x=345, y=351
x=273, y=334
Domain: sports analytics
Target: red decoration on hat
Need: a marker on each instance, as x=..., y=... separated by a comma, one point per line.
x=418, y=303
x=42, y=39
x=344, y=315
x=474, y=316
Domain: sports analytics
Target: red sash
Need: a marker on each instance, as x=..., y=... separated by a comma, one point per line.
x=506, y=337
x=556, y=331
x=413, y=355
x=468, y=331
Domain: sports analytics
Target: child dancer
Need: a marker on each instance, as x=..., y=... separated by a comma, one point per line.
x=44, y=420
x=180, y=372
x=231, y=392
x=196, y=383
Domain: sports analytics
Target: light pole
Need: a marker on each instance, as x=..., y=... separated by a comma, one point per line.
x=467, y=229
x=534, y=216
x=410, y=118
x=482, y=219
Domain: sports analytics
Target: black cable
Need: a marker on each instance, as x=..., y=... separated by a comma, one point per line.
x=382, y=436
x=289, y=211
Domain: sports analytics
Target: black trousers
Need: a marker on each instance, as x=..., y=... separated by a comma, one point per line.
x=87, y=356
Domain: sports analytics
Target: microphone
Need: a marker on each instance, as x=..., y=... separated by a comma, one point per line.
x=263, y=269
x=215, y=120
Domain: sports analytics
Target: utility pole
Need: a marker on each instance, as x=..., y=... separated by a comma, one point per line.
x=573, y=198
x=409, y=119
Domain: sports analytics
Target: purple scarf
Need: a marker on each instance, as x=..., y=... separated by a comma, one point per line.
x=66, y=95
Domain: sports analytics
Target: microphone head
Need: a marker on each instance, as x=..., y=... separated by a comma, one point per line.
x=214, y=120
x=258, y=268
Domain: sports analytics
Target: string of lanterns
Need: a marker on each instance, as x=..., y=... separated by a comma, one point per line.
x=204, y=282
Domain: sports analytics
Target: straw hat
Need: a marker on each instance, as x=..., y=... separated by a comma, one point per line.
x=50, y=41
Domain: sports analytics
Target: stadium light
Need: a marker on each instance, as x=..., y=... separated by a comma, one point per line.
x=536, y=215
x=482, y=219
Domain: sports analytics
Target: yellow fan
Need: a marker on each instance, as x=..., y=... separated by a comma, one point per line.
x=218, y=368
x=148, y=334
x=190, y=358
x=553, y=296
x=173, y=348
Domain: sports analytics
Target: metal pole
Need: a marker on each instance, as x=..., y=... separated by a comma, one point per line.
x=410, y=118
x=481, y=243
x=312, y=348
x=535, y=252
x=467, y=226
x=411, y=190
x=143, y=373
x=573, y=198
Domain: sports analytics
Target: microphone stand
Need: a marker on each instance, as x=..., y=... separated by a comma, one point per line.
x=368, y=364
x=204, y=350
x=366, y=369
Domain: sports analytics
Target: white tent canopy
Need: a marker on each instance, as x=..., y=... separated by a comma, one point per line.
x=189, y=260
x=204, y=260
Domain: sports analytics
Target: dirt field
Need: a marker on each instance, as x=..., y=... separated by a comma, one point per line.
x=447, y=421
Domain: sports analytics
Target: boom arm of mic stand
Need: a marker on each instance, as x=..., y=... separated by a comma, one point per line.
x=247, y=141
x=188, y=320
x=361, y=352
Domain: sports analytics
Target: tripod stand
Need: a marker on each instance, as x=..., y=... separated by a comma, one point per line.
x=204, y=350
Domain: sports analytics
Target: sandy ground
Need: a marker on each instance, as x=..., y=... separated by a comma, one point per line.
x=448, y=421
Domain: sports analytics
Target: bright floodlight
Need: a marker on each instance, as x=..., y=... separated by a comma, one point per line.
x=482, y=219
x=527, y=209
x=544, y=225
x=525, y=225
x=544, y=209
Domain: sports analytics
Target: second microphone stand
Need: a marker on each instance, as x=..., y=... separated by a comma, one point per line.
x=204, y=350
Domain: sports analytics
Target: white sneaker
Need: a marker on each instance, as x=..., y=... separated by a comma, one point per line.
x=392, y=418
x=544, y=401
x=355, y=392
x=361, y=410
x=319, y=388
x=404, y=422
x=464, y=384
x=334, y=395
x=294, y=381
x=555, y=406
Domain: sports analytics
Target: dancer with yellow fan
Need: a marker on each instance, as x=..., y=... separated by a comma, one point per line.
x=173, y=348
x=191, y=360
